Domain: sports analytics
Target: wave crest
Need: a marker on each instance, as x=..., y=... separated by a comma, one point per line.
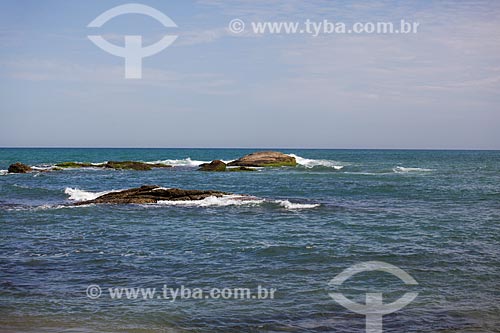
x=212, y=201
x=186, y=162
x=81, y=195
x=290, y=205
x=311, y=163
x=400, y=169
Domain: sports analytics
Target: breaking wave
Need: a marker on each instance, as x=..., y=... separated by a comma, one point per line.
x=290, y=205
x=311, y=163
x=226, y=200
x=400, y=169
x=39, y=207
x=186, y=162
x=43, y=168
x=81, y=195
x=235, y=200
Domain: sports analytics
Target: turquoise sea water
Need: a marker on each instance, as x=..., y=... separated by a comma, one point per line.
x=435, y=214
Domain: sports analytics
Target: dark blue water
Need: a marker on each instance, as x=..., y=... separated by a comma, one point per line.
x=435, y=214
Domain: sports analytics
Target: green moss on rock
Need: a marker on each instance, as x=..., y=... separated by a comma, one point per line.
x=128, y=165
x=75, y=165
x=215, y=166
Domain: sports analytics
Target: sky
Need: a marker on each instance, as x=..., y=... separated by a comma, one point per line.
x=435, y=89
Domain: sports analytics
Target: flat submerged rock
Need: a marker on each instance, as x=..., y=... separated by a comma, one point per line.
x=152, y=194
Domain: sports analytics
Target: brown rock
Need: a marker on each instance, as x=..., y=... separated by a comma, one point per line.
x=19, y=168
x=265, y=159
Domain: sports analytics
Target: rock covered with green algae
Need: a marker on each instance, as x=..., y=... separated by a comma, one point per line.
x=76, y=165
x=216, y=165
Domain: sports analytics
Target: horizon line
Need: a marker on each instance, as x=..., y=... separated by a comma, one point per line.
x=258, y=148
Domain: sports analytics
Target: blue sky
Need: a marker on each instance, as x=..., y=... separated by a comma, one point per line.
x=211, y=88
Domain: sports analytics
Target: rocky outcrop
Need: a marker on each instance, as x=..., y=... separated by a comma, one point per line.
x=216, y=165
x=122, y=165
x=265, y=159
x=151, y=194
x=19, y=168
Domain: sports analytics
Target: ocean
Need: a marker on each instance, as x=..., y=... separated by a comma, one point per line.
x=434, y=214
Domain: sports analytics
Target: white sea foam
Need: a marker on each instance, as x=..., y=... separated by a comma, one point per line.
x=81, y=195
x=46, y=207
x=290, y=205
x=235, y=200
x=161, y=188
x=366, y=173
x=35, y=168
x=186, y=162
x=42, y=207
x=400, y=169
x=311, y=163
x=212, y=201
x=42, y=168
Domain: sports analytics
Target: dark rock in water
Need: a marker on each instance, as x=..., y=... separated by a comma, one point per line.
x=123, y=165
x=265, y=159
x=133, y=165
x=159, y=165
x=151, y=194
x=216, y=165
x=19, y=168
x=242, y=168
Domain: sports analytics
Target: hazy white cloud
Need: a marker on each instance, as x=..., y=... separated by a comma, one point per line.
x=63, y=71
